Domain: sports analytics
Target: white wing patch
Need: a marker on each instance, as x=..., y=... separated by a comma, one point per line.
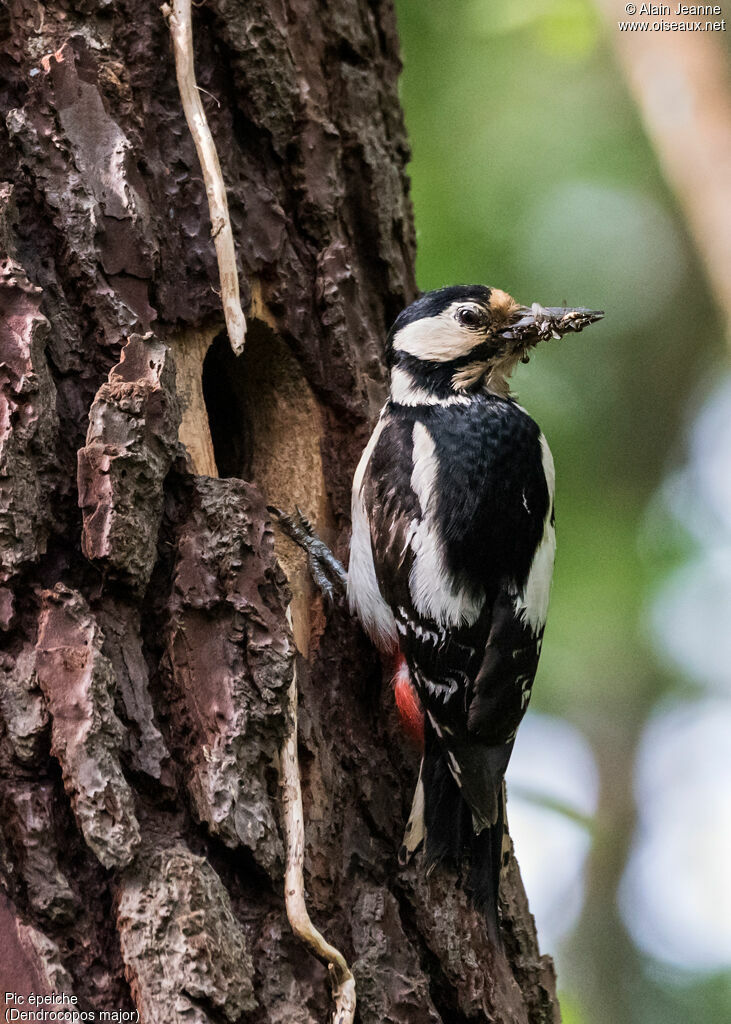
x=364, y=595
x=432, y=590
x=532, y=603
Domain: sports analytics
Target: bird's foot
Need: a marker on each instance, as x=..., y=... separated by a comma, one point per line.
x=327, y=572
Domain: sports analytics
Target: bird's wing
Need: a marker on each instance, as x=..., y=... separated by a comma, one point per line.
x=454, y=538
x=392, y=509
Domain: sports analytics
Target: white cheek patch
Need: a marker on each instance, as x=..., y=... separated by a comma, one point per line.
x=532, y=603
x=438, y=338
x=432, y=590
x=364, y=595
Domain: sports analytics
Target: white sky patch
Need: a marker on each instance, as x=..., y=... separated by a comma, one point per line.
x=710, y=455
x=676, y=893
x=690, y=615
x=691, y=620
x=551, y=760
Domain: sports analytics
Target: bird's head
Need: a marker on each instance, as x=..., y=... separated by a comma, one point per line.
x=468, y=337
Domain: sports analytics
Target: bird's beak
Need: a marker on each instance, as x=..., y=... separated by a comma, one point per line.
x=531, y=324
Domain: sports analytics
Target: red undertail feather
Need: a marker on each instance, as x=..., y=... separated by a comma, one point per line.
x=407, y=702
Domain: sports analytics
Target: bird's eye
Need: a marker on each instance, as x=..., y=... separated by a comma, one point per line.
x=468, y=317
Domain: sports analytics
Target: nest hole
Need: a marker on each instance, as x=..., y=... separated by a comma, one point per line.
x=264, y=421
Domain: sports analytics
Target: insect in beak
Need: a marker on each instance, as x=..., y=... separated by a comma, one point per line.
x=536, y=323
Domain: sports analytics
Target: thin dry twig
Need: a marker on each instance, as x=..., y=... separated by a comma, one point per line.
x=178, y=15
x=341, y=978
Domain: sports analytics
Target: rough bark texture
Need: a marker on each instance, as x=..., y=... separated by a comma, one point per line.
x=146, y=652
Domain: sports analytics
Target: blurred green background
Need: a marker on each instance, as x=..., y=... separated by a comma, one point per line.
x=531, y=172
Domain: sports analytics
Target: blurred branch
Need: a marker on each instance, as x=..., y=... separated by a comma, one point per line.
x=550, y=803
x=681, y=84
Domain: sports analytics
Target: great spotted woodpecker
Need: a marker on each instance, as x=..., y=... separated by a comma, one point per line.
x=451, y=558
x=452, y=553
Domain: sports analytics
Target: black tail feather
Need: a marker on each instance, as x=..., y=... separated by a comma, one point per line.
x=451, y=838
x=447, y=817
x=485, y=867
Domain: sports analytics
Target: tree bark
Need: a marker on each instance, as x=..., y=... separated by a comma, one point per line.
x=147, y=655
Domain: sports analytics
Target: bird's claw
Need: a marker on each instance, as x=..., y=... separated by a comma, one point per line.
x=327, y=572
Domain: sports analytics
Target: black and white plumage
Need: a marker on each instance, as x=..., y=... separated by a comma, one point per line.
x=452, y=555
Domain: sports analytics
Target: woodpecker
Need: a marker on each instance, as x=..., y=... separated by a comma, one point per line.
x=451, y=559
x=452, y=555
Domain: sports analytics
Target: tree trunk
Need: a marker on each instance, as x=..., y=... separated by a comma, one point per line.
x=147, y=653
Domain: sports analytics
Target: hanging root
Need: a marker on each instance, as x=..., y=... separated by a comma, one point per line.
x=341, y=978
x=179, y=22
